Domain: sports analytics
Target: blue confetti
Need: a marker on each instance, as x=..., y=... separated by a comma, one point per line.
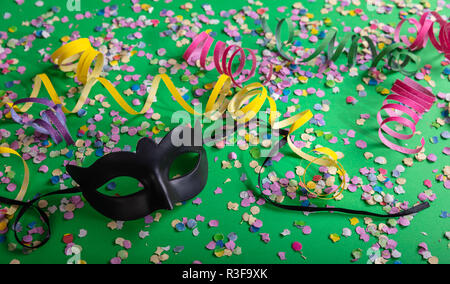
x=99, y=152
x=180, y=227
x=54, y=179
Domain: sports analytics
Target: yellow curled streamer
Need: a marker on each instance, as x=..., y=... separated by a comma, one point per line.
x=79, y=55
x=26, y=180
x=330, y=156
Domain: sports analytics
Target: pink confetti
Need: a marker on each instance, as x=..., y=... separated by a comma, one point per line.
x=213, y=223
x=361, y=144
x=402, y=221
x=43, y=169
x=197, y=201
x=351, y=133
x=11, y=187
x=365, y=237
x=306, y=230
x=68, y=215
x=211, y=245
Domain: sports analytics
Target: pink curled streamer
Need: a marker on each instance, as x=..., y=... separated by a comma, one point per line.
x=412, y=99
x=200, y=47
x=425, y=31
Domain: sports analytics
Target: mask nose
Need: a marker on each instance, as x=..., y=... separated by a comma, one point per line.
x=158, y=193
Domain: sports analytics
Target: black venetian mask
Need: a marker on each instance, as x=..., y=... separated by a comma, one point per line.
x=150, y=165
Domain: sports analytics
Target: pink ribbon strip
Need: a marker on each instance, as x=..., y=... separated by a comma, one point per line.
x=412, y=99
x=200, y=47
x=425, y=30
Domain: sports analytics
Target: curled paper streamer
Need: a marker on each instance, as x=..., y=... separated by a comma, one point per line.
x=279, y=42
x=425, y=31
x=397, y=58
x=53, y=116
x=199, y=49
x=25, y=182
x=412, y=99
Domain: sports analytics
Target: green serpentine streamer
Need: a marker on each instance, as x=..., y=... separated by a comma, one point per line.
x=398, y=58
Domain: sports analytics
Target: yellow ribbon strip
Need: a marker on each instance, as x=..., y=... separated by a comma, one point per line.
x=26, y=179
x=79, y=56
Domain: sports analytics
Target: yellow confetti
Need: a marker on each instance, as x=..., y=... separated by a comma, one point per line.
x=3, y=224
x=219, y=253
x=311, y=185
x=303, y=79
x=84, y=128
x=334, y=237
x=354, y=221
x=155, y=130
x=65, y=38
x=145, y=7
x=385, y=91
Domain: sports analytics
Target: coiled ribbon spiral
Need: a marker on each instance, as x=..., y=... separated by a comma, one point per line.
x=199, y=49
x=425, y=31
x=412, y=99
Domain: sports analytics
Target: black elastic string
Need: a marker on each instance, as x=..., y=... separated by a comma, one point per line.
x=25, y=206
x=283, y=142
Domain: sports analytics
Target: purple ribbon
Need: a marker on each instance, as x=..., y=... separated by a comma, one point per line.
x=43, y=125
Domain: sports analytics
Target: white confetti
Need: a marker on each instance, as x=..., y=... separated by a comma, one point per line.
x=82, y=233
x=346, y=232
x=143, y=234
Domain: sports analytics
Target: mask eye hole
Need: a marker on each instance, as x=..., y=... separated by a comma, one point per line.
x=183, y=164
x=121, y=186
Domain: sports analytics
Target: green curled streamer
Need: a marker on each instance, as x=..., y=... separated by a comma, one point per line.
x=395, y=57
x=279, y=42
x=398, y=58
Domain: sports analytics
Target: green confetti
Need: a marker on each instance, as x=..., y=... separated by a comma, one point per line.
x=255, y=153
x=218, y=237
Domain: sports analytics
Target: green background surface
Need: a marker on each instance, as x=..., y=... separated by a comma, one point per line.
x=98, y=246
